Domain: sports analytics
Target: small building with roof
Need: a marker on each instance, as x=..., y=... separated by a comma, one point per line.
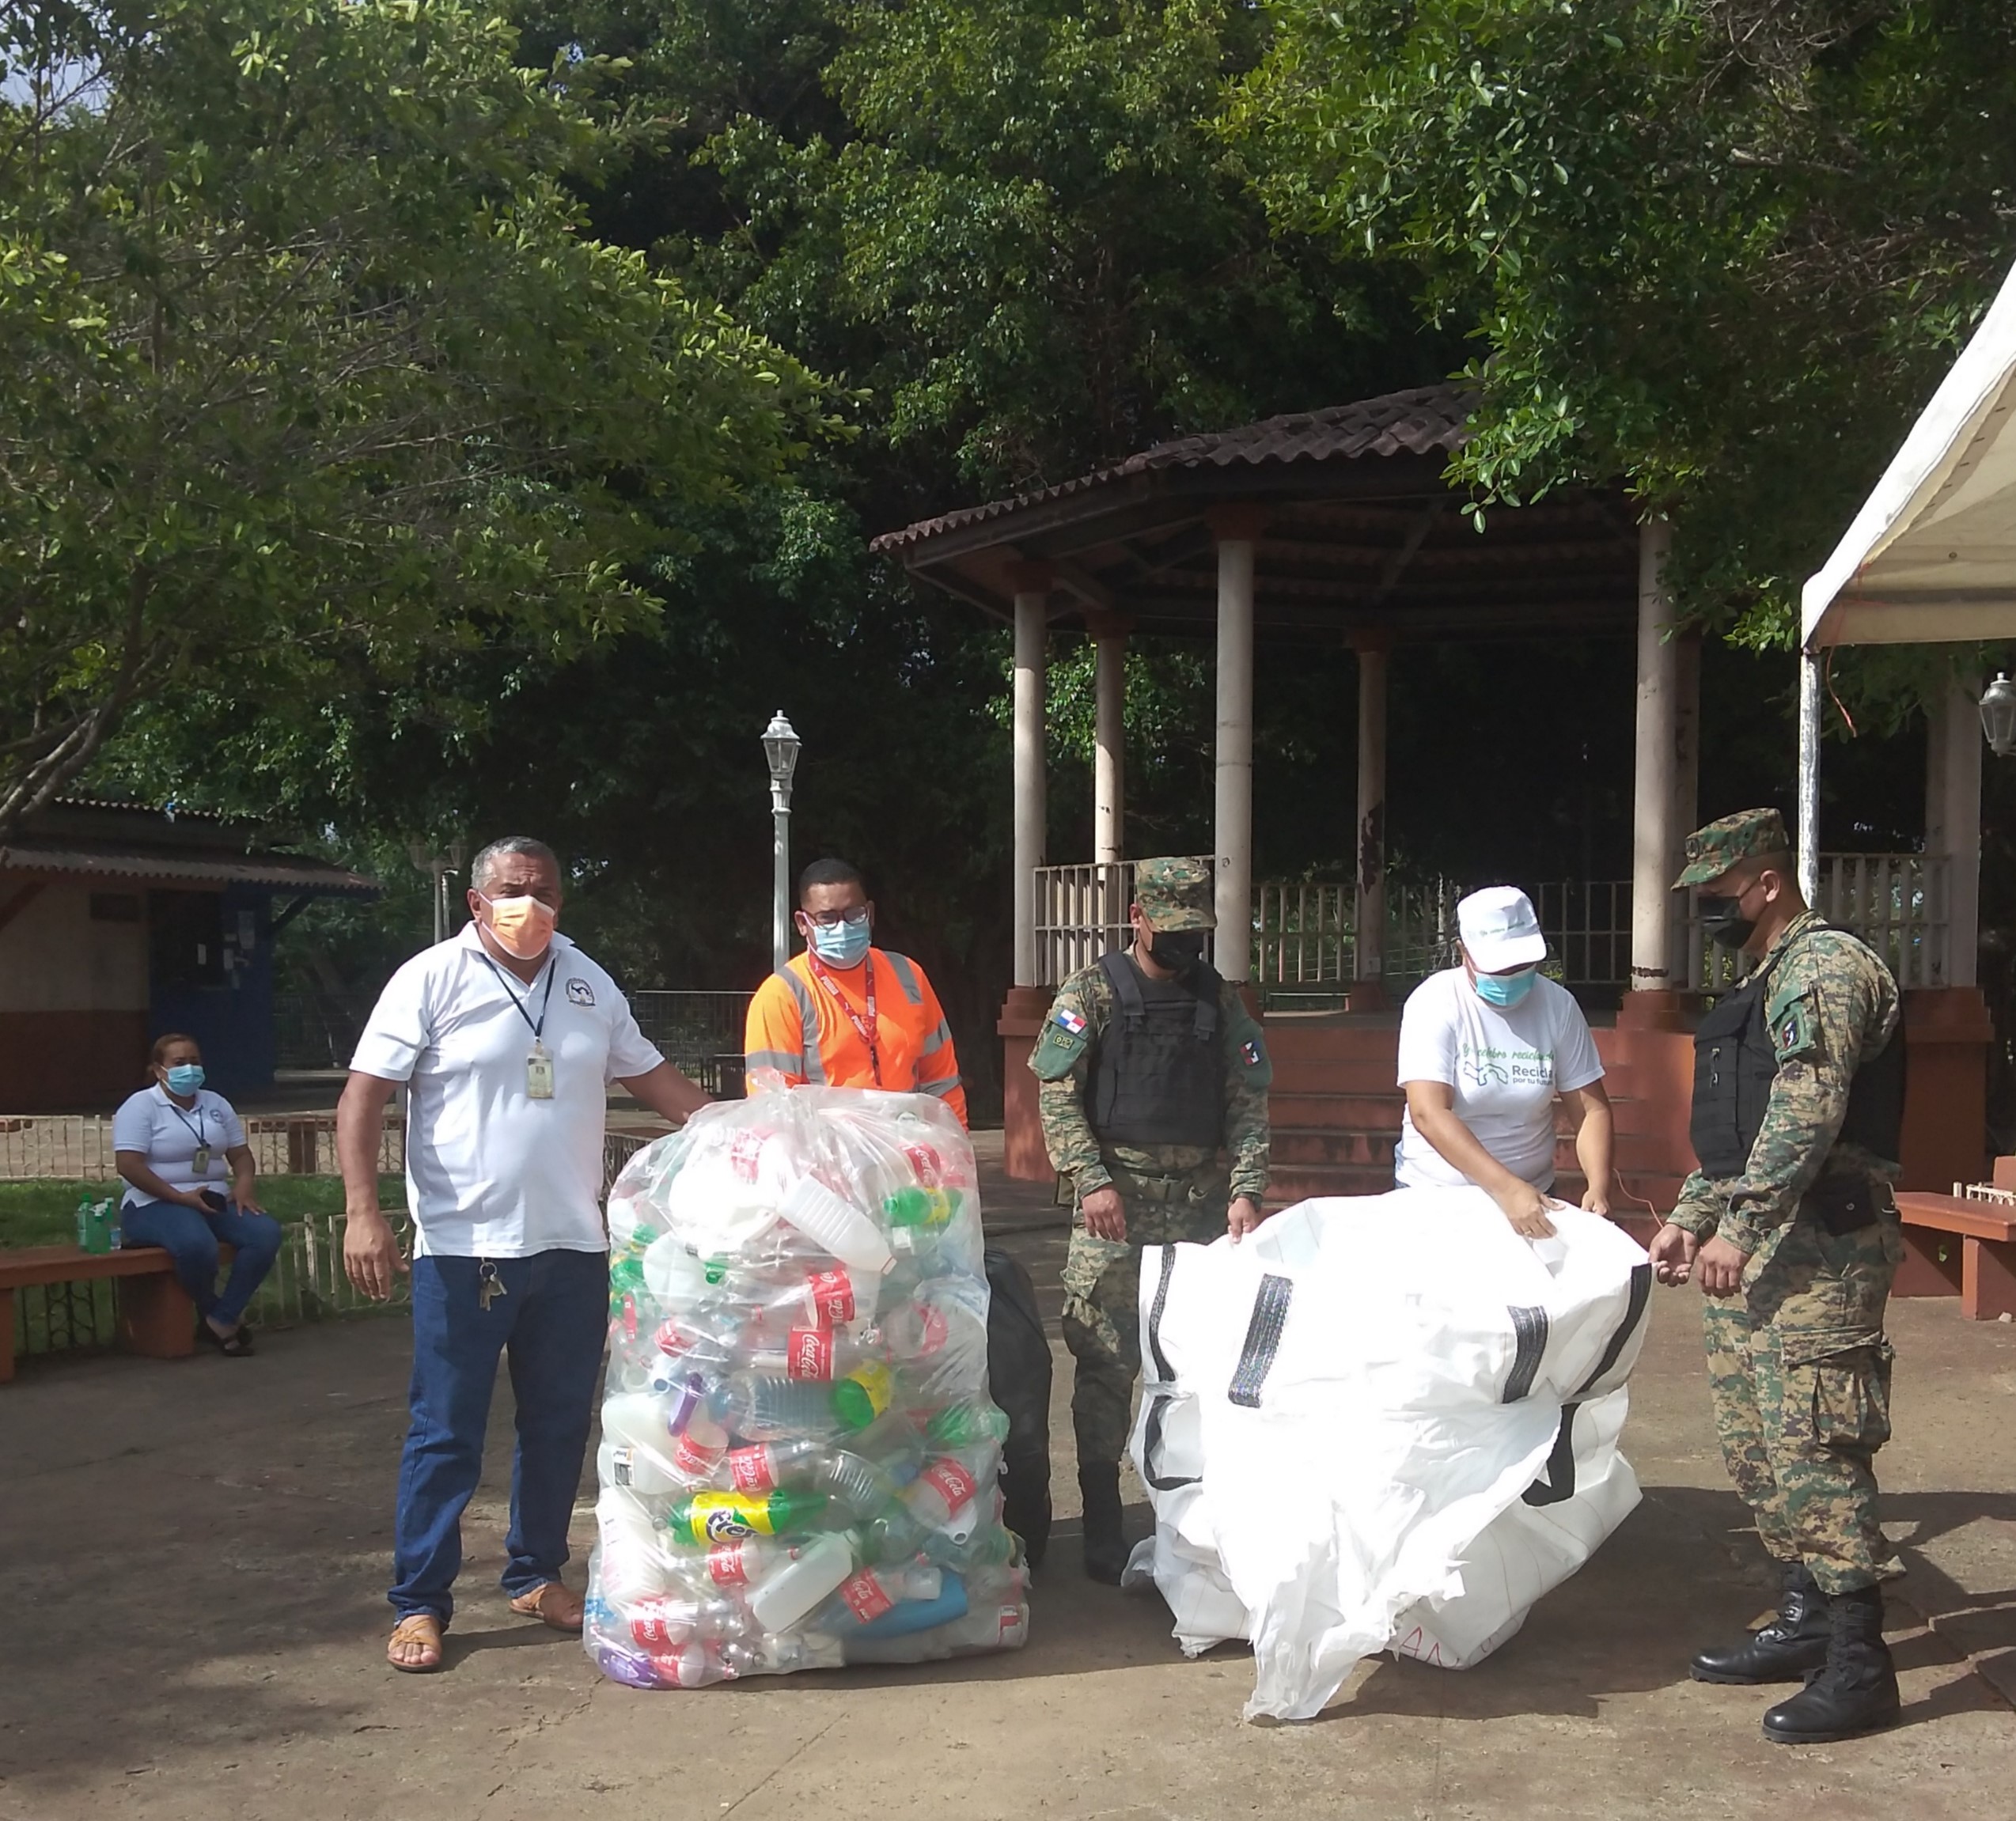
x=1338, y=525
x=118, y=922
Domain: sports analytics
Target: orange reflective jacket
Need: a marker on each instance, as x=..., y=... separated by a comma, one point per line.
x=800, y=1032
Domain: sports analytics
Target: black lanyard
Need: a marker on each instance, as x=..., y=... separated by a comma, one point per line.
x=551, y=967
x=196, y=1130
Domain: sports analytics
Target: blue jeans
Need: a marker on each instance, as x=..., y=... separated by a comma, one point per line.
x=191, y=1240
x=549, y=1322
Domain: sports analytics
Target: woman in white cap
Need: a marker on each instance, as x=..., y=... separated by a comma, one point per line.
x=1483, y=1049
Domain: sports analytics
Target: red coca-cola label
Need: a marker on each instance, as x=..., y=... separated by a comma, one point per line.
x=659, y=1622
x=925, y=1161
x=729, y=1563
x=750, y=1468
x=676, y=1340
x=831, y=1294
x=629, y=1316
x=693, y=1459
x=866, y=1597
x=809, y=1353
x=744, y=1149
x=955, y=1485
x=932, y=1330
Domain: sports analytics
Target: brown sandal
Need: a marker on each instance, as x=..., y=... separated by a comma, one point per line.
x=420, y=1628
x=553, y=1603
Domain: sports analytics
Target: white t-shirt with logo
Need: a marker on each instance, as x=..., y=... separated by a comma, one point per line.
x=169, y=1137
x=491, y=1172
x=1506, y=1067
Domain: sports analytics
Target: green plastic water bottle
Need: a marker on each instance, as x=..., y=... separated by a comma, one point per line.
x=707, y=1518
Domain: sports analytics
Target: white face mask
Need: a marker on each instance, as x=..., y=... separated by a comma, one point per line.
x=522, y=924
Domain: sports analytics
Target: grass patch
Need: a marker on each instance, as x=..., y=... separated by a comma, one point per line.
x=43, y=1212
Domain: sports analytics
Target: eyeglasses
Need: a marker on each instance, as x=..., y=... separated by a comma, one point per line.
x=833, y=919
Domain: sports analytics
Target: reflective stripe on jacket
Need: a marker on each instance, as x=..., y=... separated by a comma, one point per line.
x=797, y=1036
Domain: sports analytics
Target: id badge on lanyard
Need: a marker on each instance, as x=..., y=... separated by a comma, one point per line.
x=539, y=1062
x=865, y=1029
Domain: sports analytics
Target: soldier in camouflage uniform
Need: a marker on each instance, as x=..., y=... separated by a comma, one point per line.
x=1790, y=1225
x=1151, y=1067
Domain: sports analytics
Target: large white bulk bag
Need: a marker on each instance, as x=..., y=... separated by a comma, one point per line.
x=1381, y=1423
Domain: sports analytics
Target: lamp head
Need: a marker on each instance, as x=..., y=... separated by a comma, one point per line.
x=780, y=747
x=1999, y=715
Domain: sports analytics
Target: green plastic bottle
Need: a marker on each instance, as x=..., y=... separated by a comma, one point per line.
x=626, y=1274
x=967, y=1426
x=707, y=1518
x=864, y=1394
x=921, y=1207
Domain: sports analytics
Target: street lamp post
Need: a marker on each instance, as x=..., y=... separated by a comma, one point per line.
x=780, y=747
x=439, y=866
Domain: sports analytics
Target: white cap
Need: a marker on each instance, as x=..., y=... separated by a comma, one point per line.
x=1499, y=928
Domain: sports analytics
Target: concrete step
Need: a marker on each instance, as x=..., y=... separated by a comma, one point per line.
x=1359, y=1112
x=1334, y=1145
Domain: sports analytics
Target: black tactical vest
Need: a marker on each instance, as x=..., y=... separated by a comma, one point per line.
x=1735, y=1064
x=1160, y=1079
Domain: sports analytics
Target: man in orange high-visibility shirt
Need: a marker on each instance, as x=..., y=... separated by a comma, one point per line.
x=845, y=1014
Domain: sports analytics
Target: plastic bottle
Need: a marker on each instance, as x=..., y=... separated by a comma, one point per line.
x=733, y=1566
x=689, y=1454
x=673, y=1618
x=783, y=1653
x=838, y=1226
x=969, y=1424
x=921, y=1207
x=705, y=1339
x=857, y=1485
x=939, y=1340
x=802, y=1291
x=906, y=1618
x=824, y=1354
x=864, y=1394
x=643, y=1472
x=708, y=1517
x=942, y=1492
x=787, y=1596
x=764, y=1466
x=870, y=1594
x=759, y=1407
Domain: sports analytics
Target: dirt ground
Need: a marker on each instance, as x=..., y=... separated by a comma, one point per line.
x=194, y=1619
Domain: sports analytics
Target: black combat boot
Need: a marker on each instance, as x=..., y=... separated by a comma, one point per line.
x=1105, y=1548
x=1854, y=1692
x=1793, y=1643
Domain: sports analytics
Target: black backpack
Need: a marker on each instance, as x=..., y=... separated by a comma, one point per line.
x=1018, y=1375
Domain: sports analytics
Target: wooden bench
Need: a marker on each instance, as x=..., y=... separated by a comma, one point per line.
x=156, y=1318
x=1955, y=1246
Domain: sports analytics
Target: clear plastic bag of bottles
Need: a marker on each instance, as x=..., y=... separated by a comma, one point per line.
x=799, y=1464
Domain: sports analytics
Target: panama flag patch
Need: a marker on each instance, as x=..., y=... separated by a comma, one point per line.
x=1070, y=1022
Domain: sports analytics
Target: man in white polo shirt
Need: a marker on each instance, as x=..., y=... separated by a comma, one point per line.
x=507, y=1037
x=1483, y=1049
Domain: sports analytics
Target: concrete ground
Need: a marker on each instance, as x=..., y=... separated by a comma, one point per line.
x=193, y=1621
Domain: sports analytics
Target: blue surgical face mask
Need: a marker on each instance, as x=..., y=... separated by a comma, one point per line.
x=844, y=943
x=185, y=1078
x=1504, y=990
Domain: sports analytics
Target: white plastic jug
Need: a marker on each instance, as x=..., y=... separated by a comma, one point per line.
x=794, y=1590
x=838, y=1226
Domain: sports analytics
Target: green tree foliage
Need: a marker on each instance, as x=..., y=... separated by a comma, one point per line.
x=313, y=381
x=1723, y=248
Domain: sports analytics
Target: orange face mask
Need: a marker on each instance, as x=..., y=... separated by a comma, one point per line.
x=523, y=926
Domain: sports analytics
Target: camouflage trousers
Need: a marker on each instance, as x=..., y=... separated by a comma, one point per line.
x=1800, y=1374
x=1102, y=1295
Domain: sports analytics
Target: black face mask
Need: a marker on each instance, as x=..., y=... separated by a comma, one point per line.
x=1179, y=950
x=1724, y=921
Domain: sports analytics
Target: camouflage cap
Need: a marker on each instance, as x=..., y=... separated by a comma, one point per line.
x=1748, y=834
x=1175, y=894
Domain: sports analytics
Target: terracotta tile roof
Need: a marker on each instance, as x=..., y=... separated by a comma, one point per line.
x=1426, y=420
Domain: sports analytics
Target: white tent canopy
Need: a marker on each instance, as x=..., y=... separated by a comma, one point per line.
x=1931, y=557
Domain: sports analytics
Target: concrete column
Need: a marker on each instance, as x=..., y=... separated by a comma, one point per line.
x=1110, y=760
x=1654, y=840
x=1953, y=818
x=1236, y=529
x=1374, y=650
x=1807, y=835
x=1686, y=776
x=1032, y=585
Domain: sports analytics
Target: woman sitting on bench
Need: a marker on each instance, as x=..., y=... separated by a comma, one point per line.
x=171, y=1143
